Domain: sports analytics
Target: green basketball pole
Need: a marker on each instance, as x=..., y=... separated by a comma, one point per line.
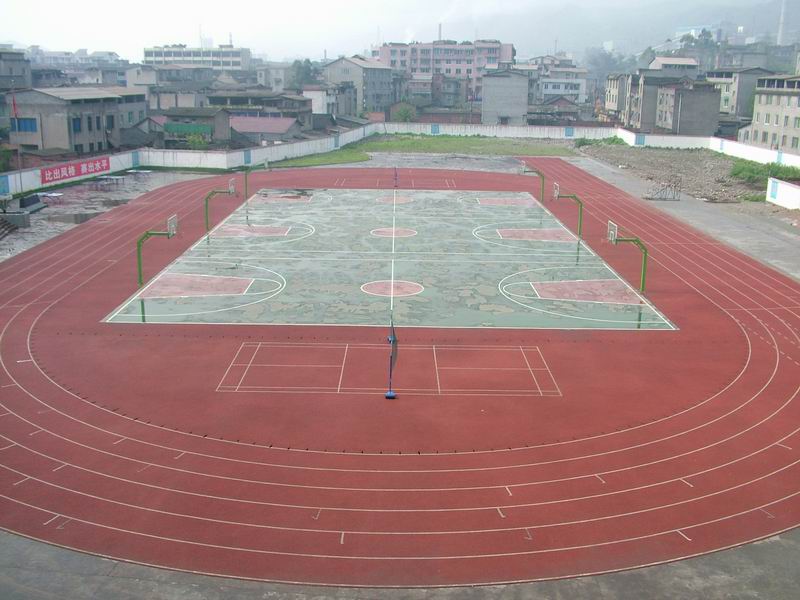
x=208, y=197
x=527, y=170
x=580, y=212
x=643, y=248
x=139, y=243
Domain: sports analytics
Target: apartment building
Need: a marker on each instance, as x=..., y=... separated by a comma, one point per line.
x=687, y=107
x=264, y=103
x=332, y=99
x=468, y=61
x=776, y=119
x=505, y=98
x=273, y=75
x=224, y=57
x=79, y=119
x=675, y=66
x=617, y=93
x=15, y=70
x=737, y=87
x=372, y=80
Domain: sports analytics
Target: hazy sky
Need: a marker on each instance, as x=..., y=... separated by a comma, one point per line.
x=309, y=27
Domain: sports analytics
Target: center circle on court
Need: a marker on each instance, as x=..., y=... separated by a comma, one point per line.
x=397, y=232
x=395, y=199
x=394, y=288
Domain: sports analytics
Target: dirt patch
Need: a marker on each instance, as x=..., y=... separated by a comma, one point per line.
x=703, y=174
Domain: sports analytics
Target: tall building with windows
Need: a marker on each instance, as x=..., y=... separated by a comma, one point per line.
x=460, y=60
x=223, y=58
x=776, y=115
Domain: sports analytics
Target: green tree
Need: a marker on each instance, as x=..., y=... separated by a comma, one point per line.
x=5, y=159
x=300, y=73
x=196, y=141
x=405, y=113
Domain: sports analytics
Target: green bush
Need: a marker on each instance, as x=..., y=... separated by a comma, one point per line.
x=612, y=141
x=758, y=174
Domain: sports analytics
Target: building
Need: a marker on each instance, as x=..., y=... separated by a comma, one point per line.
x=148, y=75
x=466, y=61
x=211, y=124
x=330, y=99
x=617, y=92
x=224, y=57
x=262, y=131
x=111, y=75
x=79, y=119
x=372, y=81
x=78, y=60
x=261, y=102
x=50, y=77
x=776, y=122
x=687, y=107
x=675, y=66
x=505, y=98
x=15, y=70
x=737, y=88
x=273, y=75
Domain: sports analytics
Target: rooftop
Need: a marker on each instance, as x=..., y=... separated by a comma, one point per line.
x=262, y=124
x=79, y=93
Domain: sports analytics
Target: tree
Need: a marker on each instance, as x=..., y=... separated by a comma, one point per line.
x=300, y=73
x=196, y=141
x=404, y=113
x=601, y=63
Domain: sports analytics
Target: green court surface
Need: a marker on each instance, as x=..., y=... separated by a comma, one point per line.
x=430, y=258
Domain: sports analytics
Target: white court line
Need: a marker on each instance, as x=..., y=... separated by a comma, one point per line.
x=436, y=367
x=535, y=381
x=683, y=535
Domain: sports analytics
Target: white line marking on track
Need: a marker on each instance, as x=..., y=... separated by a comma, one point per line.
x=341, y=539
x=143, y=468
x=59, y=467
x=51, y=520
x=766, y=512
x=11, y=445
x=500, y=512
x=26, y=360
x=686, y=482
x=122, y=439
x=683, y=535
x=22, y=481
x=341, y=374
x=35, y=432
x=600, y=478
x=783, y=445
x=179, y=455
x=436, y=368
x=528, y=535
x=316, y=516
x=8, y=385
x=63, y=524
x=509, y=491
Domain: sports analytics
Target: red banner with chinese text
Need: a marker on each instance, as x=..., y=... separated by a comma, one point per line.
x=78, y=168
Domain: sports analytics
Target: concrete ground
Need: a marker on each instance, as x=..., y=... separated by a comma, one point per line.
x=766, y=569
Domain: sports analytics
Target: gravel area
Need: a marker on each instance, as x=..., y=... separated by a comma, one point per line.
x=79, y=203
x=703, y=174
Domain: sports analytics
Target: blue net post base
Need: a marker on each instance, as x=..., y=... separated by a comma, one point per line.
x=390, y=395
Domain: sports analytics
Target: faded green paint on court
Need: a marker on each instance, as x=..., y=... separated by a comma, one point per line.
x=483, y=259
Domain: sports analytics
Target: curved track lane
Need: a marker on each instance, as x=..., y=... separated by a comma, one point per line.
x=664, y=445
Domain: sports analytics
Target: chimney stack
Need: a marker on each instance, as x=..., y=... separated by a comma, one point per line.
x=440, y=29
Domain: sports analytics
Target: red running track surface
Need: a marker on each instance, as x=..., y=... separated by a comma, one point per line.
x=662, y=444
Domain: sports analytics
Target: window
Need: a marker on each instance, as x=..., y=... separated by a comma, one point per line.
x=758, y=117
x=130, y=116
x=777, y=119
x=795, y=142
x=79, y=148
x=766, y=118
x=774, y=139
x=91, y=147
x=786, y=121
x=97, y=122
x=746, y=135
x=769, y=99
x=764, y=137
x=24, y=125
x=89, y=123
x=76, y=124
x=797, y=122
x=109, y=121
x=99, y=145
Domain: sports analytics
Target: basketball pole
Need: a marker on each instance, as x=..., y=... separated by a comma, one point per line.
x=638, y=243
x=208, y=197
x=580, y=211
x=527, y=170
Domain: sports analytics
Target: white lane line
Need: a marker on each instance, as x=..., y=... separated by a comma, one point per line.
x=686, y=482
x=783, y=445
x=436, y=367
x=316, y=516
x=11, y=445
x=600, y=478
x=120, y=440
x=500, y=512
x=179, y=455
x=35, y=432
x=143, y=468
x=26, y=360
x=63, y=524
x=528, y=535
x=341, y=539
x=51, y=520
x=8, y=385
x=341, y=374
x=21, y=481
x=509, y=491
x=766, y=512
x=59, y=467
x=683, y=535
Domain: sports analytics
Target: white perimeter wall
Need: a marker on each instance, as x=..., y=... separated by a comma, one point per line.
x=783, y=193
x=199, y=159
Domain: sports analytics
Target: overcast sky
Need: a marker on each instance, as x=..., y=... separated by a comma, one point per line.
x=308, y=28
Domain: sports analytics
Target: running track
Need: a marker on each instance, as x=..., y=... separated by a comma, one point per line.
x=664, y=445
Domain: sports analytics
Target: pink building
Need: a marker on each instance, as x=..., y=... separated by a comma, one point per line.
x=465, y=60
